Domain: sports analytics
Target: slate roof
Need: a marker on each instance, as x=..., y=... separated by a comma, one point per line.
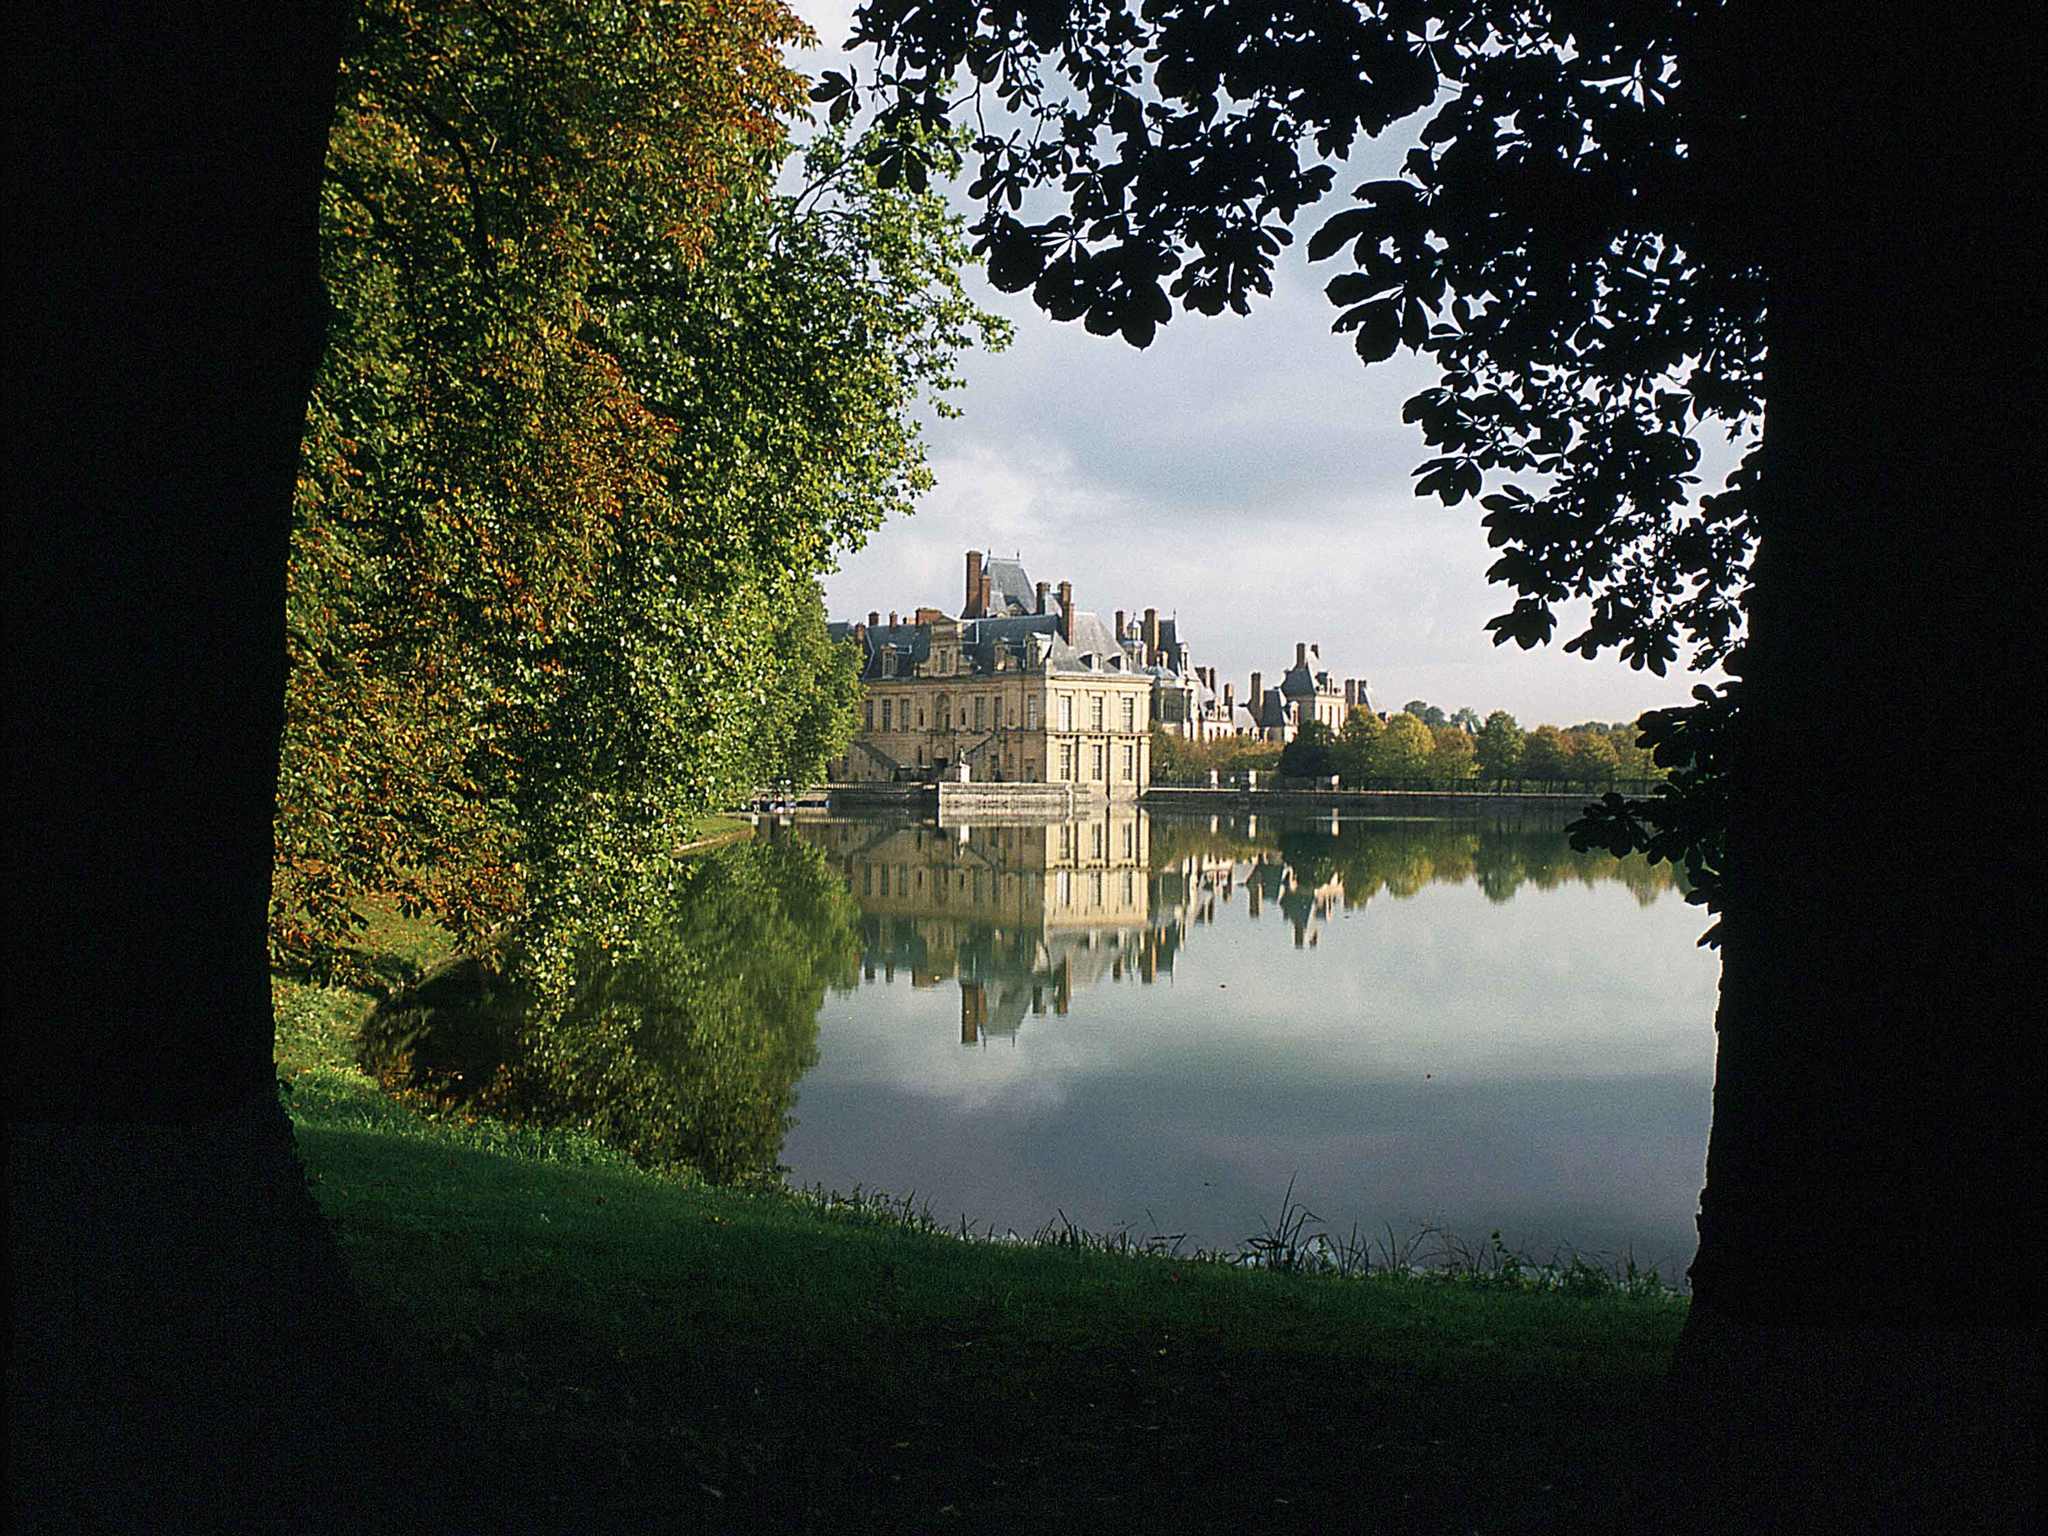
x=1010, y=591
x=1030, y=639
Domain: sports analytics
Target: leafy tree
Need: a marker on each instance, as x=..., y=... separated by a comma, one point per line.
x=1451, y=753
x=1311, y=754
x=1405, y=749
x=527, y=656
x=1427, y=713
x=1590, y=757
x=1466, y=720
x=1357, y=749
x=1622, y=228
x=1172, y=759
x=1632, y=760
x=173, y=162
x=684, y=1051
x=1546, y=755
x=1498, y=747
x=1854, y=1117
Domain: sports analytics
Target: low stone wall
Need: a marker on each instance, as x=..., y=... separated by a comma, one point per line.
x=970, y=801
x=914, y=798
x=1376, y=802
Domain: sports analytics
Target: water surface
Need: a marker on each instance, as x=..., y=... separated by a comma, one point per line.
x=1141, y=1022
x=1156, y=1023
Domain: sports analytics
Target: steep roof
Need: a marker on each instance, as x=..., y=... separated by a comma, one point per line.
x=1010, y=591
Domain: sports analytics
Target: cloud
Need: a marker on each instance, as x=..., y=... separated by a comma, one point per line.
x=1244, y=472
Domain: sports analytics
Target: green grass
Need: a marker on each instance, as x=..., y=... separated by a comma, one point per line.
x=615, y=1350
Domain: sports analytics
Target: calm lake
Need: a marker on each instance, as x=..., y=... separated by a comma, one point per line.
x=1156, y=1023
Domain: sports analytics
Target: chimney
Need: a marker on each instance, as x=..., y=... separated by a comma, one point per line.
x=1229, y=698
x=874, y=619
x=976, y=595
x=1300, y=653
x=1350, y=694
x=1257, y=695
x=1119, y=626
x=1043, y=588
x=1152, y=637
x=1067, y=612
x=892, y=618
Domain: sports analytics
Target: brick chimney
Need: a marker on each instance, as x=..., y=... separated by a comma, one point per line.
x=892, y=618
x=1119, y=626
x=1230, y=698
x=1152, y=637
x=1067, y=612
x=1257, y=695
x=1044, y=587
x=874, y=618
x=1301, y=653
x=977, y=592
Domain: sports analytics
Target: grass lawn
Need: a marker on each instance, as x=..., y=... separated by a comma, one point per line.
x=609, y=1349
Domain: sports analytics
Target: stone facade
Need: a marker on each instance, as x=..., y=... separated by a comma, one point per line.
x=1306, y=692
x=1023, y=687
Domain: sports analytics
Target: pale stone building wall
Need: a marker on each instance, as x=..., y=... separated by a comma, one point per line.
x=1037, y=697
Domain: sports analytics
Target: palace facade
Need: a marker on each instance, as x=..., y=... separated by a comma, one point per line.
x=1022, y=687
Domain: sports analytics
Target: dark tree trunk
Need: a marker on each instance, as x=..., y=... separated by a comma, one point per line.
x=180, y=1315
x=1863, y=1344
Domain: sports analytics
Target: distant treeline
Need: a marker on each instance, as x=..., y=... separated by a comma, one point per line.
x=1421, y=745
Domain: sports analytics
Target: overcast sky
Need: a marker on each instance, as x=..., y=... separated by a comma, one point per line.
x=1246, y=474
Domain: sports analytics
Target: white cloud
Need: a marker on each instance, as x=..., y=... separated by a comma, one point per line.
x=1245, y=473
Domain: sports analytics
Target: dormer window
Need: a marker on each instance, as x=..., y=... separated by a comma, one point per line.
x=888, y=661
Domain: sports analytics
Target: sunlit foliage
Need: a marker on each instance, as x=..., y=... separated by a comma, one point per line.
x=599, y=406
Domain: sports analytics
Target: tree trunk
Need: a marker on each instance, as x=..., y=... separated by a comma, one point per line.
x=1863, y=1350
x=181, y=1321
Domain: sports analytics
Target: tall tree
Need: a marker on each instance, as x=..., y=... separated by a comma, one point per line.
x=1404, y=749
x=1310, y=754
x=1451, y=754
x=1498, y=747
x=1546, y=755
x=1622, y=226
x=187, y=1352
x=597, y=409
x=1358, y=746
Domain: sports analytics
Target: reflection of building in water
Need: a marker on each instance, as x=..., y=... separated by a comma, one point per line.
x=1023, y=916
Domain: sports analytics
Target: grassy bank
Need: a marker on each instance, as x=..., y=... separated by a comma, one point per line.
x=613, y=1350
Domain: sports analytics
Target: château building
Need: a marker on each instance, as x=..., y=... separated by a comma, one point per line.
x=1305, y=692
x=1022, y=687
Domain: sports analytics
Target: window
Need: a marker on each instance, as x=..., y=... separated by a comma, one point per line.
x=1130, y=762
x=1031, y=714
x=867, y=714
x=945, y=713
x=1067, y=761
x=980, y=704
x=885, y=715
x=1101, y=767
x=1066, y=711
x=1095, y=713
x=1130, y=714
